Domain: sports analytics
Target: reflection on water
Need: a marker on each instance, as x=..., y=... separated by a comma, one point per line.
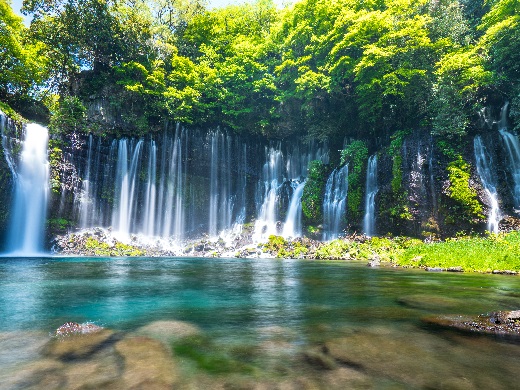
x=228, y=323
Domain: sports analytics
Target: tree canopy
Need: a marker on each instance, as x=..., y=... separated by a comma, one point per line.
x=319, y=69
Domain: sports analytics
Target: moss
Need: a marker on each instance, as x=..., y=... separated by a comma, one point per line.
x=356, y=155
x=69, y=116
x=55, y=158
x=8, y=111
x=313, y=193
x=275, y=243
x=334, y=250
x=397, y=201
x=58, y=225
x=210, y=357
x=120, y=249
x=283, y=249
x=466, y=204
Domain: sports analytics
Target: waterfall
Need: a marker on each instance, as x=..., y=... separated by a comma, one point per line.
x=513, y=152
x=272, y=179
x=282, y=174
x=241, y=197
x=141, y=187
x=293, y=223
x=512, y=147
x=221, y=201
x=88, y=207
x=150, y=192
x=369, y=221
x=502, y=123
x=26, y=229
x=334, y=203
x=124, y=214
x=487, y=178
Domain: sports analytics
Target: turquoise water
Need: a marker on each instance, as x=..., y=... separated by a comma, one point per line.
x=290, y=306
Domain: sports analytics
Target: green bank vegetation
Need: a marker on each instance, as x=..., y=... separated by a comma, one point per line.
x=496, y=252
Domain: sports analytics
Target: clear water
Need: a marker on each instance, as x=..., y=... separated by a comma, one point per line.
x=269, y=314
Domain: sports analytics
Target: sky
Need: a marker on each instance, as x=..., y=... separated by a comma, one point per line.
x=17, y=4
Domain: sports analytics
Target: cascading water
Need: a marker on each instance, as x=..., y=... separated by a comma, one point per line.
x=512, y=147
x=334, y=203
x=272, y=179
x=487, y=178
x=141, y=186
x=293, y=223
x=282, y=175
x=221, y=202
x=126, y=178
x=369, y=221
x=150, y=192
x=26, y=229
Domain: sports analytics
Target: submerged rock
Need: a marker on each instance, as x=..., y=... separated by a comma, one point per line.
x=147, y=364
x=168, y=331
x=79, y=345
x=429, y=302
x=73, y=328
x=501, y=323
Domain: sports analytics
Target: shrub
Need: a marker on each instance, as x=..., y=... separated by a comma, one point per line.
x=466, y=205
x=313, y=192
x=356, y=155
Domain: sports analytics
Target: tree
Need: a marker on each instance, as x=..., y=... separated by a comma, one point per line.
x=22, y=65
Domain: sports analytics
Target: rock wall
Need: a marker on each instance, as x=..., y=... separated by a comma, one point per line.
x=414, y=196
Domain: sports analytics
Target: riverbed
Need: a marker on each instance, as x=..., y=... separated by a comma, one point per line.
x=247, y=323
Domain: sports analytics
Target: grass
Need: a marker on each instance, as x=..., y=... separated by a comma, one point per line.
x=496, y=252
x=477, y=254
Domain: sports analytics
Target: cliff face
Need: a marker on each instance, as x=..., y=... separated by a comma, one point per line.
x=184, y=183
x=11, y=133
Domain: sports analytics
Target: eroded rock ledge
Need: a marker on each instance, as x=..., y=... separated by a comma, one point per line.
x=500, y=323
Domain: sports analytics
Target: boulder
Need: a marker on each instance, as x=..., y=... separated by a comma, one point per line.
x=168, y=331
x=79, y=346
x=505, y=324
x=73, y=328
x=148, y=364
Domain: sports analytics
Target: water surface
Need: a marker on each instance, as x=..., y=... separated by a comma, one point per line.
x=328, y=324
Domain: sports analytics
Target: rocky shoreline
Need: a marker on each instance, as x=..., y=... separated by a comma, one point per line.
x=375, y=251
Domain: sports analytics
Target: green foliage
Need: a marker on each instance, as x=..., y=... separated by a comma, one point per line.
x=356, y=155
x=332, y=68
x=385, y=249
x=99, y=248
x=55, y=159
x=335, y=250
x=481, y=254
x=58, y=225
x=398, y=209
x=281, y=248
x=275, y=243
x=461, y=76
x=313, y=192
x=22, y=65
x=467, y=206
x=70, y=116
x=7, y=110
